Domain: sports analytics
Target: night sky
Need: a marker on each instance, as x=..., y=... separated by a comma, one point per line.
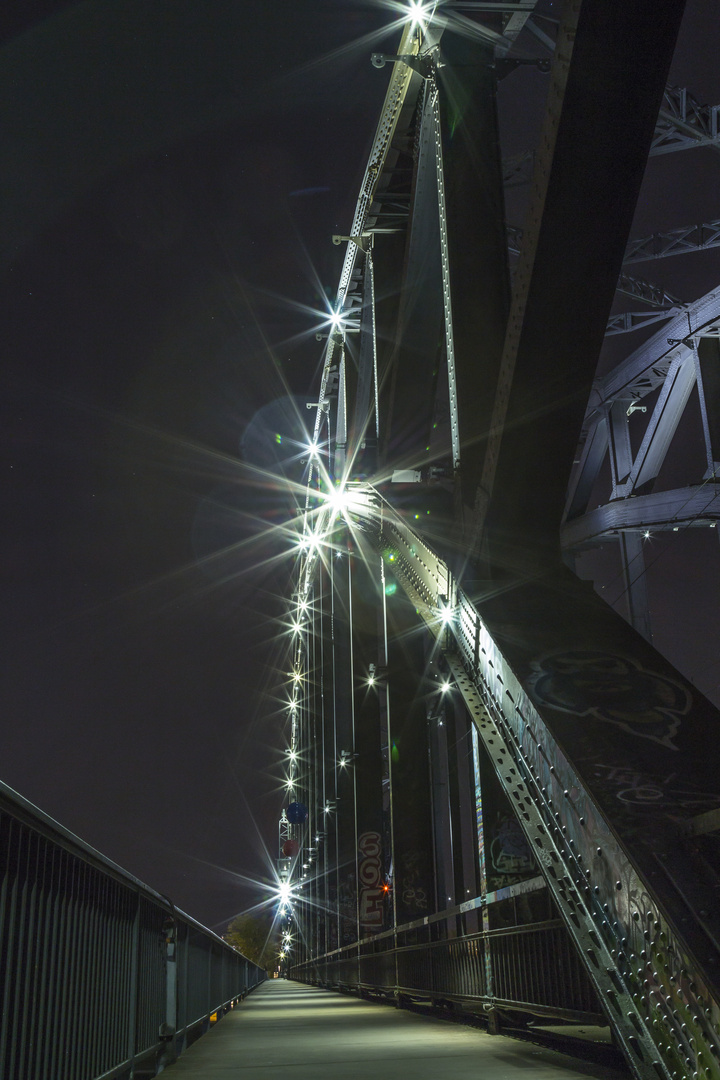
x=172, y=172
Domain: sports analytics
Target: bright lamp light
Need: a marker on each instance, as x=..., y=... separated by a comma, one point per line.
x=338, y=499
x=417, y=12
x=447, y=614
x=284, y=892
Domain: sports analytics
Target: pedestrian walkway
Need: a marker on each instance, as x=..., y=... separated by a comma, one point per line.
x=321, y=1035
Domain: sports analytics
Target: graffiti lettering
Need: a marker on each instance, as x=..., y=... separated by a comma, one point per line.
x=637, y=788
x=371, y=880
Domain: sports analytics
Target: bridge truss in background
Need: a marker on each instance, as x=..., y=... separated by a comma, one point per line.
x=501, y=796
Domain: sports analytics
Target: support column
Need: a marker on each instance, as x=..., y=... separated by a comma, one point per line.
x=459, y=725
x=345, y=821
x=633, y=568
x=368, y=764
x=620, y=451
x=476, y=272
x=419, y=335
x=364, y=433
x=488, y=988
x=441, y=807
x=412, y=880
x=707, y=369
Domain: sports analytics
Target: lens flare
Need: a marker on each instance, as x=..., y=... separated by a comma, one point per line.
x=284, y=893
x=447, y=614
x=418, y=13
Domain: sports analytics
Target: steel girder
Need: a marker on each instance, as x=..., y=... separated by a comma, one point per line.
x=655, y=296
x=643, y=372
x=398, y=101
x=663, y=423
x=695, y=506
x=588, y=464
x=365, y=424
x=587, y=787
x=624, y=322
x=678, y=368
x=645, y=369
x=593, y=780
x=681, y=241
x=417, y=338
x=673, y=366
x=682, y=124
x=582, y=174
x=473, y=248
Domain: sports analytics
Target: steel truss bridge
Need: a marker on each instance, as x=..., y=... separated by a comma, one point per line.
x=502, y=798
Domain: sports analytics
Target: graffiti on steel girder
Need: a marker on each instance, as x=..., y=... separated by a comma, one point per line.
x=414, y=896
x=613, y=689
x=510, y=854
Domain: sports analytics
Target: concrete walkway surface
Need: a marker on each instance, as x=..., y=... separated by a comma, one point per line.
x=285, y=1029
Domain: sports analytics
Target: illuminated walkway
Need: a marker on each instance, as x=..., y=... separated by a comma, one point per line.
x=320, y=1035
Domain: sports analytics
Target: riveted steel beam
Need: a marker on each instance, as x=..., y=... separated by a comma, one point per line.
x=598, y=794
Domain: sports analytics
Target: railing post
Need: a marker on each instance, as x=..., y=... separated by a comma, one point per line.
x=208, y=996
x=168, y=1028
x=183, y=1013
x=132, y=1002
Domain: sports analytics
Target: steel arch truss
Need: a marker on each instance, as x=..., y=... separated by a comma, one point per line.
x=651, y=390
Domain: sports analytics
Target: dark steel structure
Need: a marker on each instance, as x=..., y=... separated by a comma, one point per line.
x=504, y=795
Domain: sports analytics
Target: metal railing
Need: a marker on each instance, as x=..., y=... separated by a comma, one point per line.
x=100, y=976
x=531, y=968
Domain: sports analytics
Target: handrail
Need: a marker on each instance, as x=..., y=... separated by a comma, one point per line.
x=104, y=978
x=455, y=969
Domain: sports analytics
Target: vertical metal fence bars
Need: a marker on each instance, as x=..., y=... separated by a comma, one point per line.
x=100, y=976
x=536, y=970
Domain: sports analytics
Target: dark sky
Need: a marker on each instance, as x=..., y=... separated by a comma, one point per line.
x=173, y=171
